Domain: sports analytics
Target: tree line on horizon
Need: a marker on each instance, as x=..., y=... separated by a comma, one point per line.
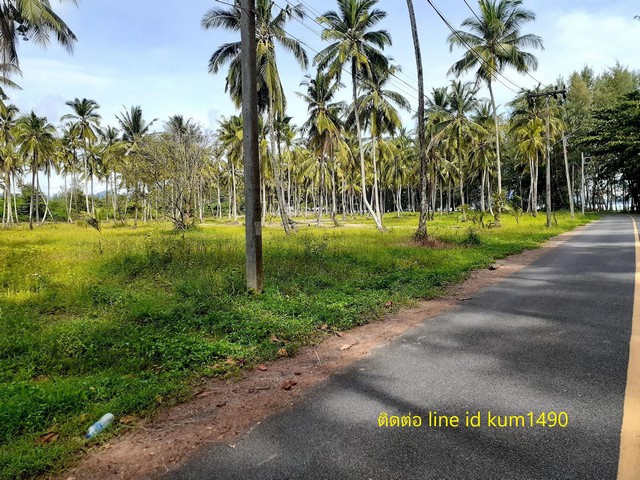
x=347, y=158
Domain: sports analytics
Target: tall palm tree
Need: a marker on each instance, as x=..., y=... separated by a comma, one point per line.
x=323, y=126
x=354, y=43
x=377, y=107
x=230, y=134
x=495, y=42
x=112, y=151
x=134, y=128
x=9, y=161
x=456, y=130
x=421, y=232
x=85, y=124
x=528, y=124
x=36, y=137
x=271, y=98
x=483, y=155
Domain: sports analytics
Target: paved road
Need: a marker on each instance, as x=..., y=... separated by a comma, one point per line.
x=553, y=337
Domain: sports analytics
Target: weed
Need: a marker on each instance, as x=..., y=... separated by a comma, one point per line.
x=89, y=330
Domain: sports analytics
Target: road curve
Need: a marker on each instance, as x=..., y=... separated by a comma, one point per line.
x=553, y=337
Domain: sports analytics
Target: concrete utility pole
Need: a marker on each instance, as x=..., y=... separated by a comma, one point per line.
x=253, y=225
x=556, y=92
x=583, y=191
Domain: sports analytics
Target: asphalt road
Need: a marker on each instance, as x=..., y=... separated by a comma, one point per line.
x=552, y=338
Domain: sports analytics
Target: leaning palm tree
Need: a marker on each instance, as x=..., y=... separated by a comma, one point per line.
x=36, y=137
x=356, y=45
x=271, y=98
x=494, y=42
x=32, y=20
x=85, y=124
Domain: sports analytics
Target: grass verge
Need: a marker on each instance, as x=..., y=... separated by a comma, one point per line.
x=125, y=321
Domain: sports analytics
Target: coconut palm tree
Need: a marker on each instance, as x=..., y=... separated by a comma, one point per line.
x=483, y=155
x=421, y=232
x=378, y=109
x=134, y=128
x=230, y=135
x=456, y=130
x=271, y=98
x=112, y=150
x=85, y=124
x=32, y=20
x=36, y=137
x=528, y=125
x=356, y=45
x=323, y=125
x=494, y=41
x=9, y=161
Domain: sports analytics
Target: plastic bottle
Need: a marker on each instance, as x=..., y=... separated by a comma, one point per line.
x=100, y=425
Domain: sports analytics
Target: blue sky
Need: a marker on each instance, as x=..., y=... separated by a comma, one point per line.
x=155, y=54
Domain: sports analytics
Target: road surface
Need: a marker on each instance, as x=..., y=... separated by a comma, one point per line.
x=552, y=338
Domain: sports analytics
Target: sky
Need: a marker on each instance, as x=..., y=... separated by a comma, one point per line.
x=155, y=54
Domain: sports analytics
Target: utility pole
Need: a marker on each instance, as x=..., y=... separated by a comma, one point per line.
x=583, y=190
x=556, y=93
x=253, y=225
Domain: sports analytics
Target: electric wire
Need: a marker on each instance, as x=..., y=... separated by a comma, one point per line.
x=393, y=74
x=499, y=44
x=472, y=51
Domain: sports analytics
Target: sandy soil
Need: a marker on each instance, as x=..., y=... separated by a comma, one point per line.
x=222, y=410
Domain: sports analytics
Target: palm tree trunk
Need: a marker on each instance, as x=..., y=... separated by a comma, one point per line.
x=320, y=186
x=535, y=185
x=334, y=207
x=6, y=211
x=344, y=198
x=114, y=197
x=287, y=223
x=482, y=184
x=495, y=121
x=489, y=201
x=93, y=208
x=86, y=183
x=15, y=205
x=7, y=199
x=462, y=204
x=375, y=194
x=363, y=173
x=234, y=193
x=33, y=194
x=421, y=232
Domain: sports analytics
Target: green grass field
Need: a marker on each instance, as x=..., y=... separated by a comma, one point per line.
x=126, y=321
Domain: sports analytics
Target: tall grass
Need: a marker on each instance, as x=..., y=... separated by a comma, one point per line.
x=125, y=320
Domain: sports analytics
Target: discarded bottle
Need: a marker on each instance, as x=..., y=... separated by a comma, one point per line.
x=100, y=425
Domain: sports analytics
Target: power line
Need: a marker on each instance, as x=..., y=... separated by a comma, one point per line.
x=499, y=44
x=472, y=51
x=317, y=13
x=342, y=68
x=413, y=95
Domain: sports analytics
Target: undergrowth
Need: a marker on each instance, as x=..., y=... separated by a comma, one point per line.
x=125, y=320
